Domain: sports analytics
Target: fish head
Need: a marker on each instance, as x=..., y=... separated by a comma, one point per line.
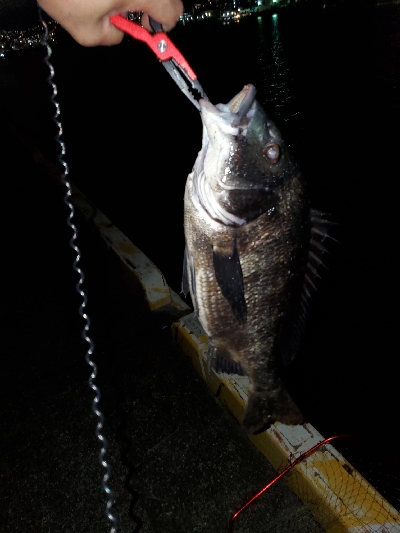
x=243, y=160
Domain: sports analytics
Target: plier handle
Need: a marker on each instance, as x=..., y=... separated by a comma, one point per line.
x=173, y=61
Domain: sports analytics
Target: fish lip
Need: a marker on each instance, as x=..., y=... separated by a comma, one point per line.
x=238, y=109
x=206, y=104
x=241, y=104
x=218, y=115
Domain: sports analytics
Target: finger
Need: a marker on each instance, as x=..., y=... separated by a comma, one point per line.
x=166, y=12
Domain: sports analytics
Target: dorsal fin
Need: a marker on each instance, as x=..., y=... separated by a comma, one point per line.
x=319, y=231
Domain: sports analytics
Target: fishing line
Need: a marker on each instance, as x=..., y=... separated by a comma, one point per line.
x=73, y=243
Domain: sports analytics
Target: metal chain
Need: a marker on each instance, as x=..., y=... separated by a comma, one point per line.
x=79, y=289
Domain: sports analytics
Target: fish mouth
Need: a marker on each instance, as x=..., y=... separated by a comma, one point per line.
x=224, y=125
x=241, y=104
x=234, y=116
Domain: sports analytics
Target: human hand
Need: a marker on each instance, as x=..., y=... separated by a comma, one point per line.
x=88, y=21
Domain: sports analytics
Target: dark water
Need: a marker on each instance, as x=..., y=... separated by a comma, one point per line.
x=330, y=80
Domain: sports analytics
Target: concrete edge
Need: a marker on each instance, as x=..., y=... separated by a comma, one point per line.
x=338, y=496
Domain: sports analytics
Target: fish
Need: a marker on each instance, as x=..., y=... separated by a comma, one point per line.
x=253, y=249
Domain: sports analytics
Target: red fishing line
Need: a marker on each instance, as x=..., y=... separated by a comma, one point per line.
x=279, y=476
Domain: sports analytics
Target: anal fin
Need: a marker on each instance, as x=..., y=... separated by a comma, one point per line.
x=222, y=362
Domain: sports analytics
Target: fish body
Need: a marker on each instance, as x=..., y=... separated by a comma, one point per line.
x=248, y=228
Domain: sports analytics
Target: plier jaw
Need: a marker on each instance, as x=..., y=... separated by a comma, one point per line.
x=162, y=46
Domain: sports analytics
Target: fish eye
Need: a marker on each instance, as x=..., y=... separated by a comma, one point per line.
x=272, y=152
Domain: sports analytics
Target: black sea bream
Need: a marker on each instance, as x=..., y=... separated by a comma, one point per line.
x=252, y=251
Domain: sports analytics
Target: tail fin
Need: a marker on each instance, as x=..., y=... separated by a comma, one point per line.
x=265, y=408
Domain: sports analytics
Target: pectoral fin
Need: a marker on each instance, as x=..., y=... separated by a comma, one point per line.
x=229, y=275
x=188, y=283
x=185, y=275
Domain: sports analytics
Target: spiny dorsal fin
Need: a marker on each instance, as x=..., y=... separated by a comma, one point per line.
x=319, y=229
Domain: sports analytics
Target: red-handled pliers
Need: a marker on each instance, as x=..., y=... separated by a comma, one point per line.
x=173, y=61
